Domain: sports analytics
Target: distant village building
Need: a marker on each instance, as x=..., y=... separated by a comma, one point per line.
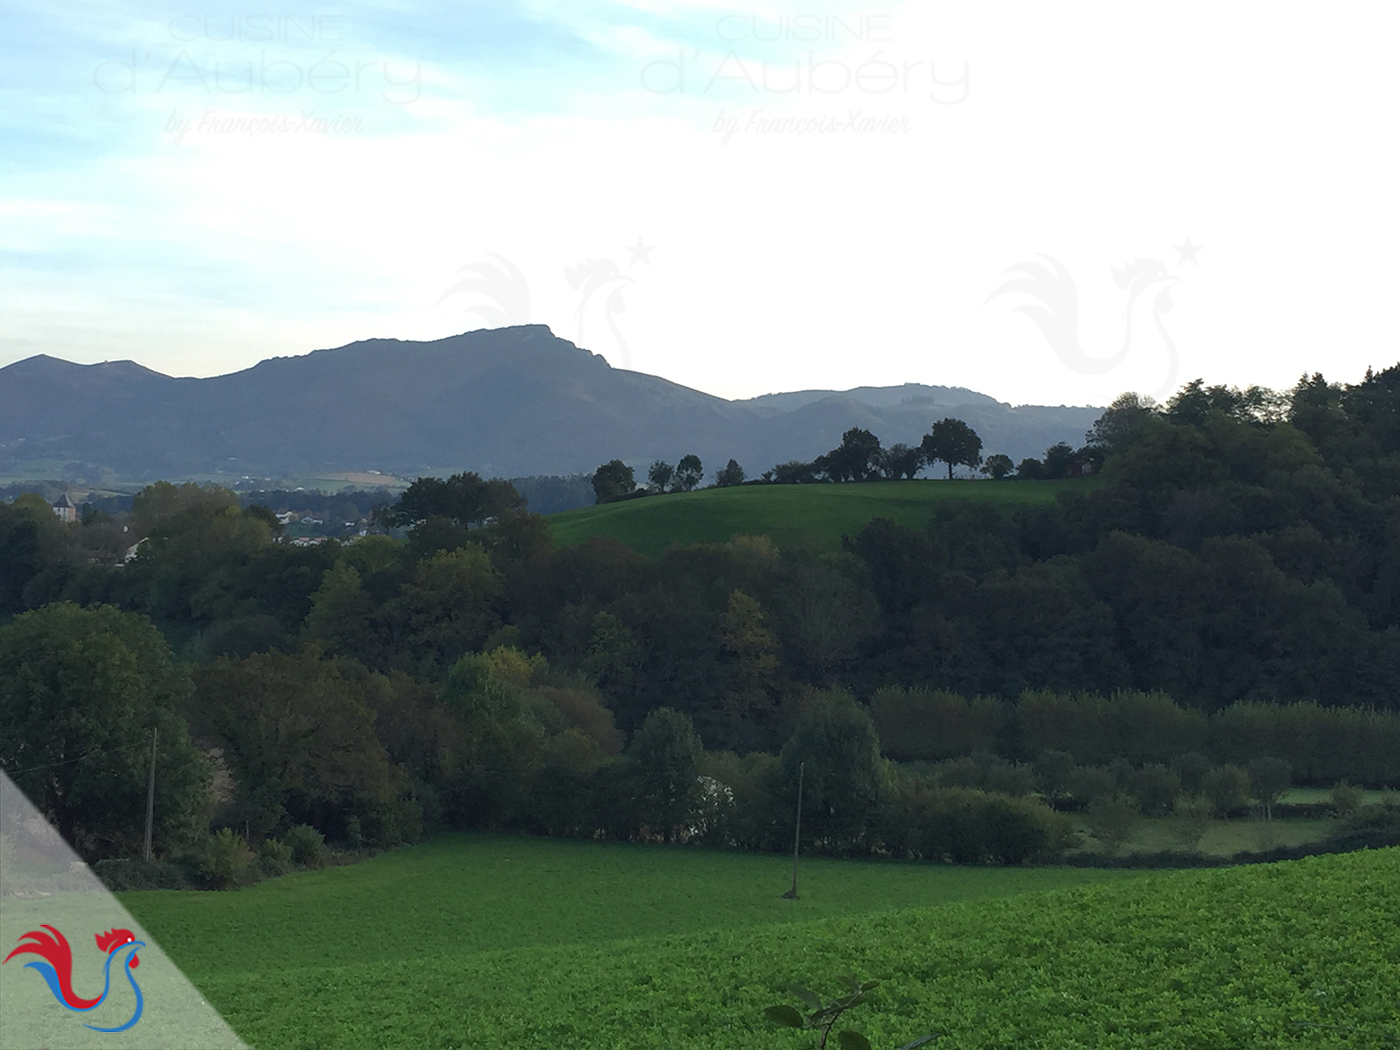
x=65, y=508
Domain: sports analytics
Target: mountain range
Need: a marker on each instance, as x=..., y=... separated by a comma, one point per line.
x=507, y=402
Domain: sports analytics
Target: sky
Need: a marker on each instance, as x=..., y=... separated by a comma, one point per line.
x=1051, y=204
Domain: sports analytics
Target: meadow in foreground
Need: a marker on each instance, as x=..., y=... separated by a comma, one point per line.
x=472, y=941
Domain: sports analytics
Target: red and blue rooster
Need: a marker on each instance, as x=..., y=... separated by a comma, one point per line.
x=56, y=967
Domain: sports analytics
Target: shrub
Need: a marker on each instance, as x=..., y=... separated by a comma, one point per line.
x=1156, y=788
x=354, y=832
x=1054, y=771
x=1087, y=784
x=925, y=822
x=1381, y=817
x=1268, y=779
x=1346, y=799
x=274, y=858
x=1016, y=780
x=390, y=823
x=1191, y=768
x=225, y=859
x=1227, y=788
x=123, y=874
x=307, y=844
x=1190, y=818
x=1112, y=819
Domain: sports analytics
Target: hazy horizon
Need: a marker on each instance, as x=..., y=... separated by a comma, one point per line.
x=720, y=197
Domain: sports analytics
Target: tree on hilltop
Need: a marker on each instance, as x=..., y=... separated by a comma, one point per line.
x=732, y=474
x=612, y=480
x=689, y=471
x=998, y=466
x=953, y=442
x=900, y=461
x=855, y=459
x=659, y=474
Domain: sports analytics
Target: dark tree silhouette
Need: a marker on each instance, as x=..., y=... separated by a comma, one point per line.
x=613, y=479
x=953, y=442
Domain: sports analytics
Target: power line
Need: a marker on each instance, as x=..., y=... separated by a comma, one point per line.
x=65, y=762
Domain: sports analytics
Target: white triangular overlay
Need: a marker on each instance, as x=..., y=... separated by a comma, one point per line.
x=44, y=883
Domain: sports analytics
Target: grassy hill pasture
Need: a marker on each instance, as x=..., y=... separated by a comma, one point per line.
x=471, y=941
x=792, y=516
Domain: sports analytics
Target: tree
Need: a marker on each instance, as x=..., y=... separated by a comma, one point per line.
x=613, y=480
x=732, y=474
x=450, y=606
x=1226, y=788
x=749, y=643
x=1053, y=772
x=900, y=461
x=35, y=547
x=1059, y=458
x=659, y=474
x=844, y=776
x=1190, y=820
x=793, y=472
x=998, y=466
x=1191, y=767
x=1155, y=787
x=162, y=501
x=465, y=499
x=80, y=692
x=1030, y=470
x=666, y=754
x=1112, y=819
x=689, y=471
x=613, y=653
x=1121, y=422
x=953, y=442
x=1346, y=799
x=855, y=459
x=1268, y=779
x=298, y=735
x=340, y=616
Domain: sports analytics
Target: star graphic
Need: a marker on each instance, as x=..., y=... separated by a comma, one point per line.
x=640, y=251
x=1187, y=252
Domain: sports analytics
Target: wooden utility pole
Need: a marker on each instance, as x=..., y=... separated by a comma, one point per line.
x=791, y=895
x=151, y=794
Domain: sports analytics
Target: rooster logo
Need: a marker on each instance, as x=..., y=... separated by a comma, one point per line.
x=1055, y=309
x=56, y=967
x=594, y=276
x=504, y=293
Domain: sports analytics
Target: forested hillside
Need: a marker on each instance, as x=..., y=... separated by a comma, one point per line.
x=1234, y=571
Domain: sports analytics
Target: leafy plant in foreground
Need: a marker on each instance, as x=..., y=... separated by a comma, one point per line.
x=823, y=1017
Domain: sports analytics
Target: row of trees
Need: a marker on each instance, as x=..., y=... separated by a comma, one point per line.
x=615, y=480
x=279, y=745
x=859, y=457
x=1321, y=745
x=274, y=744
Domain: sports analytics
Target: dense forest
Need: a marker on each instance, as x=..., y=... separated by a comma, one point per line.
x=1226, y=591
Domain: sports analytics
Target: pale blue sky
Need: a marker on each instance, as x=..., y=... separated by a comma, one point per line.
x=742, y=200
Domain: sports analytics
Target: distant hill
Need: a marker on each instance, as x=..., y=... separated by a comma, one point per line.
x=509, y=402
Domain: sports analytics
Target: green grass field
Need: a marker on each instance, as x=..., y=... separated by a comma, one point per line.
x=484, y=941
x=792, y=516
